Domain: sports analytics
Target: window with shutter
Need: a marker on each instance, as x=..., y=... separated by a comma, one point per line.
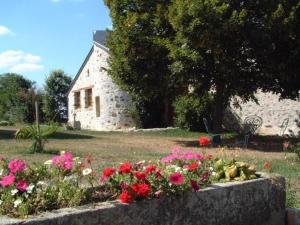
x=88, y=98
x=77, y=99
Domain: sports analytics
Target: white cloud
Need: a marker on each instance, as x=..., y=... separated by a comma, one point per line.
x=5, y=31
x=26, y=67
x=19, y=61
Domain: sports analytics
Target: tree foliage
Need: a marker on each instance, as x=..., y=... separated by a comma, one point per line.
x=56, y=100
x=17, y=96
x=139, y=59
x=236, y=47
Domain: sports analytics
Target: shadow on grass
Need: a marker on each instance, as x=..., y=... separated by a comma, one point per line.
x=258, y=143
x=7, y=134
x=63, y=135
x=45, y=152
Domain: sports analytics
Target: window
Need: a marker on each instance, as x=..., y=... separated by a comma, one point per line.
x=97, y=100
x=88, y=98
x=77, y=99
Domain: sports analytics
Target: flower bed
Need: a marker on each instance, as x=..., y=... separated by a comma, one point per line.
x=65, y=181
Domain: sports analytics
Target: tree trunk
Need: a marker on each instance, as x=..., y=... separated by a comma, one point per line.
x=220, y=103
x=167, y=116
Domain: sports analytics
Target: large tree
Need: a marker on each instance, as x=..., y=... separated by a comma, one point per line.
x=139, y=59
x=232, y=48
x=56, y=88
x=17, y=95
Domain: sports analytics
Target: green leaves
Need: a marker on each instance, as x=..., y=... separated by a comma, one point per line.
x=56, y=99
x=37, y=134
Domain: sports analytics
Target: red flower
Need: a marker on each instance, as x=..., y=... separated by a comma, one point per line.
x=126, y=197
x=141, y=190
x=22, y=185
x=140, y=175
x=176, y=178
x=267, y=165
x=150, y=169
x=125, y=167
x=204, y=141
x=107, y=172
x=194, y=185
x=193, y=166
x=158, y=174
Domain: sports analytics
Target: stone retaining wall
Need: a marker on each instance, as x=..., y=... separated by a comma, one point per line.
x=255, y=202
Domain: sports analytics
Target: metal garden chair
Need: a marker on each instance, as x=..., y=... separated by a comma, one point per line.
x=250, y=127
x=283, y=126
x=215, y=138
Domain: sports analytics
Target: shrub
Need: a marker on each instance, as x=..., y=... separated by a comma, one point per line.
x=4, y=123
x=297, y=149
x=38, y=135
x=190, y=110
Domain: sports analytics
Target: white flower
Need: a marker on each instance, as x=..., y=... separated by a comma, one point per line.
x=48, y=162
x=14, y=192
x=86, y=171
x=29, y=189
x=1, y=202
x=1, y=172
x=62, y=152
x=17, y=203
x=26, y=195
x=41, y=183
x=214, y=173
x=211, y=169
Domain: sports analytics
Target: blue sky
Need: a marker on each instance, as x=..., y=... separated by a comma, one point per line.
x=37, y=36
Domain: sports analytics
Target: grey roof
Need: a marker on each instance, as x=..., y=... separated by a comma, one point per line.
x=99, y=37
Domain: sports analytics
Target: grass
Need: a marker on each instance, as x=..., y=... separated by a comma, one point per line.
x=111, y=148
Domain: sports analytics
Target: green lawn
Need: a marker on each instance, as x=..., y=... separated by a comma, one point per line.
x=109, y=148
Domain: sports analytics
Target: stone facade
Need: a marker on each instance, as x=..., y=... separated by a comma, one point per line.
x=112, y=103
x=254, y=202
x=271, y=109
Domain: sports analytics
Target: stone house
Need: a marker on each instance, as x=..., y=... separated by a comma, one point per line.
x=97, y=103
x=94, y=101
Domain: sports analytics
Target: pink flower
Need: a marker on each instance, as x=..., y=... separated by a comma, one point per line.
x=16, y=165
x=179, y=154
x=22, y=185
x=64, y=161
x=7, y=180
x=176, y=178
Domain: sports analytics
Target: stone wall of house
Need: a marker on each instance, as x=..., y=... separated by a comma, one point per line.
x=271, y=109
x=254, y=202
x=114, y=103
